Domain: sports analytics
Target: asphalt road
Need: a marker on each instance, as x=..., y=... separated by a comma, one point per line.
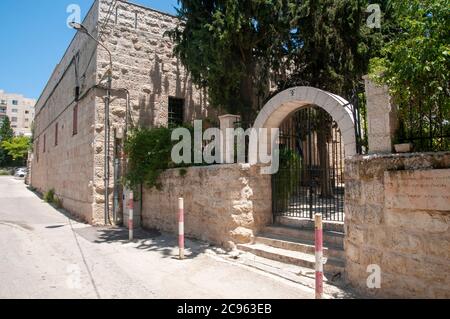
x=45, y=254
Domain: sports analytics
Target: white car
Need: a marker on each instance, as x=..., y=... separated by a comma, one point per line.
x=21, y=172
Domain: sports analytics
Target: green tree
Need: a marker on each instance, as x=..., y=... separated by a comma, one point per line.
x=416, y=66
x=17, y=147
x=6, y=131
x=231, y=47
x=6, y=134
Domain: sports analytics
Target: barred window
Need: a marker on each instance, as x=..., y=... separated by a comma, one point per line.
x=176, y=111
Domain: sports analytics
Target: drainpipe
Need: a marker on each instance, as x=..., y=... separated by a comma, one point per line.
x=81, y=28
x=118, y=168
x=107, y=148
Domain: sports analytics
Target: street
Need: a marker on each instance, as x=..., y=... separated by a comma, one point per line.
x=46, y=254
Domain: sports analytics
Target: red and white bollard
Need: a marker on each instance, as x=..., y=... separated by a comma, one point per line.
x=131, y=215
x=319, y=257
x=181, y=227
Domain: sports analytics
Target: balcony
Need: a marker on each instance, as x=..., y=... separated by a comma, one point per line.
x=2, y=110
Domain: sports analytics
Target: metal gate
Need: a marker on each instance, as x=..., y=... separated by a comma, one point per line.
x=311, y=175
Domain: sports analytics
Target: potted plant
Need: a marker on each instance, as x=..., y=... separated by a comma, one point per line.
x=399, y=141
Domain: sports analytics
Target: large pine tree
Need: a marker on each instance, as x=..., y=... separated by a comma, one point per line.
x=231, y=47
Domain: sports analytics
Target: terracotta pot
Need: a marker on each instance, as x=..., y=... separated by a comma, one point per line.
x=403, y=148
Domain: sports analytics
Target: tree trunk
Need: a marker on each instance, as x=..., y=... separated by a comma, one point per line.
x=326, y=187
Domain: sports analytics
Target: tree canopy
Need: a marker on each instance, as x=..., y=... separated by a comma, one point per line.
x=415, y=64
x=230, y=46
x=6, y=131
x=17, y=147
x=6, y=134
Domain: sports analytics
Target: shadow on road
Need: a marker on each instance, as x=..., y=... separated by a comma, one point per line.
x=145, y=240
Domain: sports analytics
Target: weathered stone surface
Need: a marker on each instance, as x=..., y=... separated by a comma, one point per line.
x=418, y=190
x=143, y=64
x=381, y=113
x=398, y=217
x=218, y=214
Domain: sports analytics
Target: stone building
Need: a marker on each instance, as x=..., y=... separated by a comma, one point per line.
x=147, y=80
x=19, y=110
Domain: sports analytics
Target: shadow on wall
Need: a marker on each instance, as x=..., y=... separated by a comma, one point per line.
x=153, y=110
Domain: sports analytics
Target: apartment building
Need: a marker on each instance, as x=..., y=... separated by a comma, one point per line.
x=19, y=110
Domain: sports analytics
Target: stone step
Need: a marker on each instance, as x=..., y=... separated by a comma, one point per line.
x=333, y=286
x=294, y=244
x=330, y=238
x=306, y=223
x=333, y=266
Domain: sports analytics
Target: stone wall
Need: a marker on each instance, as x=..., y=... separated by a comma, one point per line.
x=398, y=217
x=225, y=204
x=68, y=166
x=143, y=64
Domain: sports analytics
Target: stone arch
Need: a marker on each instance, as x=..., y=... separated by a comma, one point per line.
x=289, y=101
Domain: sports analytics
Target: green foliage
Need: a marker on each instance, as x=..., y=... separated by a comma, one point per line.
x=6, y=134
x=230, y=46
x=17, y=147
x=416, y=64
x=58, y=202
x=335, y=44
x=6, y=131
x=149, y=153
x=4, y=172
x=288, y=178
x=49, y=197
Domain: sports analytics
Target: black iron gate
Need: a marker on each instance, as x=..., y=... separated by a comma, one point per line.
x=311, y=175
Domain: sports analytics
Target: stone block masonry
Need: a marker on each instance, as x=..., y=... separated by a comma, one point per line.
x=143, y=65
x=224, y=204
x=398, y=217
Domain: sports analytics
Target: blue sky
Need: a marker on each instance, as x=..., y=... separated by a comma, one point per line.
x=34, y=37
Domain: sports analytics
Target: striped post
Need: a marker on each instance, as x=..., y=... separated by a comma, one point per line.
x=181, y=227
x=319, y=257
x=131, y=215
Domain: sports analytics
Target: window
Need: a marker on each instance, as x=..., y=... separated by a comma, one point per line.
x=27, y=112
x=14, y=111
x=27, y=120
x=37, y=150
x=56, y=134
x=13, y=119
x=176, y=111
x=75, y=120
x=45, y=142
x=15, y=102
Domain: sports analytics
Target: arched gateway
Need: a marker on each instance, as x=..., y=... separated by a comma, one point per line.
x=317, y=130
x=281, y=106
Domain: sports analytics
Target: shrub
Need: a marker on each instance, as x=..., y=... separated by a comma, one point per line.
x=4, y=172
x=58, y=202
x=149, y=153
x=49, y=197
x=288, y=177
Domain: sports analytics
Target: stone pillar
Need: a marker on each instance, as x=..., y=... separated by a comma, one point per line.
x=381, y=116
x=226, y=122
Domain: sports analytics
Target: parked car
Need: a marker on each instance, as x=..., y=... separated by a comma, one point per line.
x=21, y=172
